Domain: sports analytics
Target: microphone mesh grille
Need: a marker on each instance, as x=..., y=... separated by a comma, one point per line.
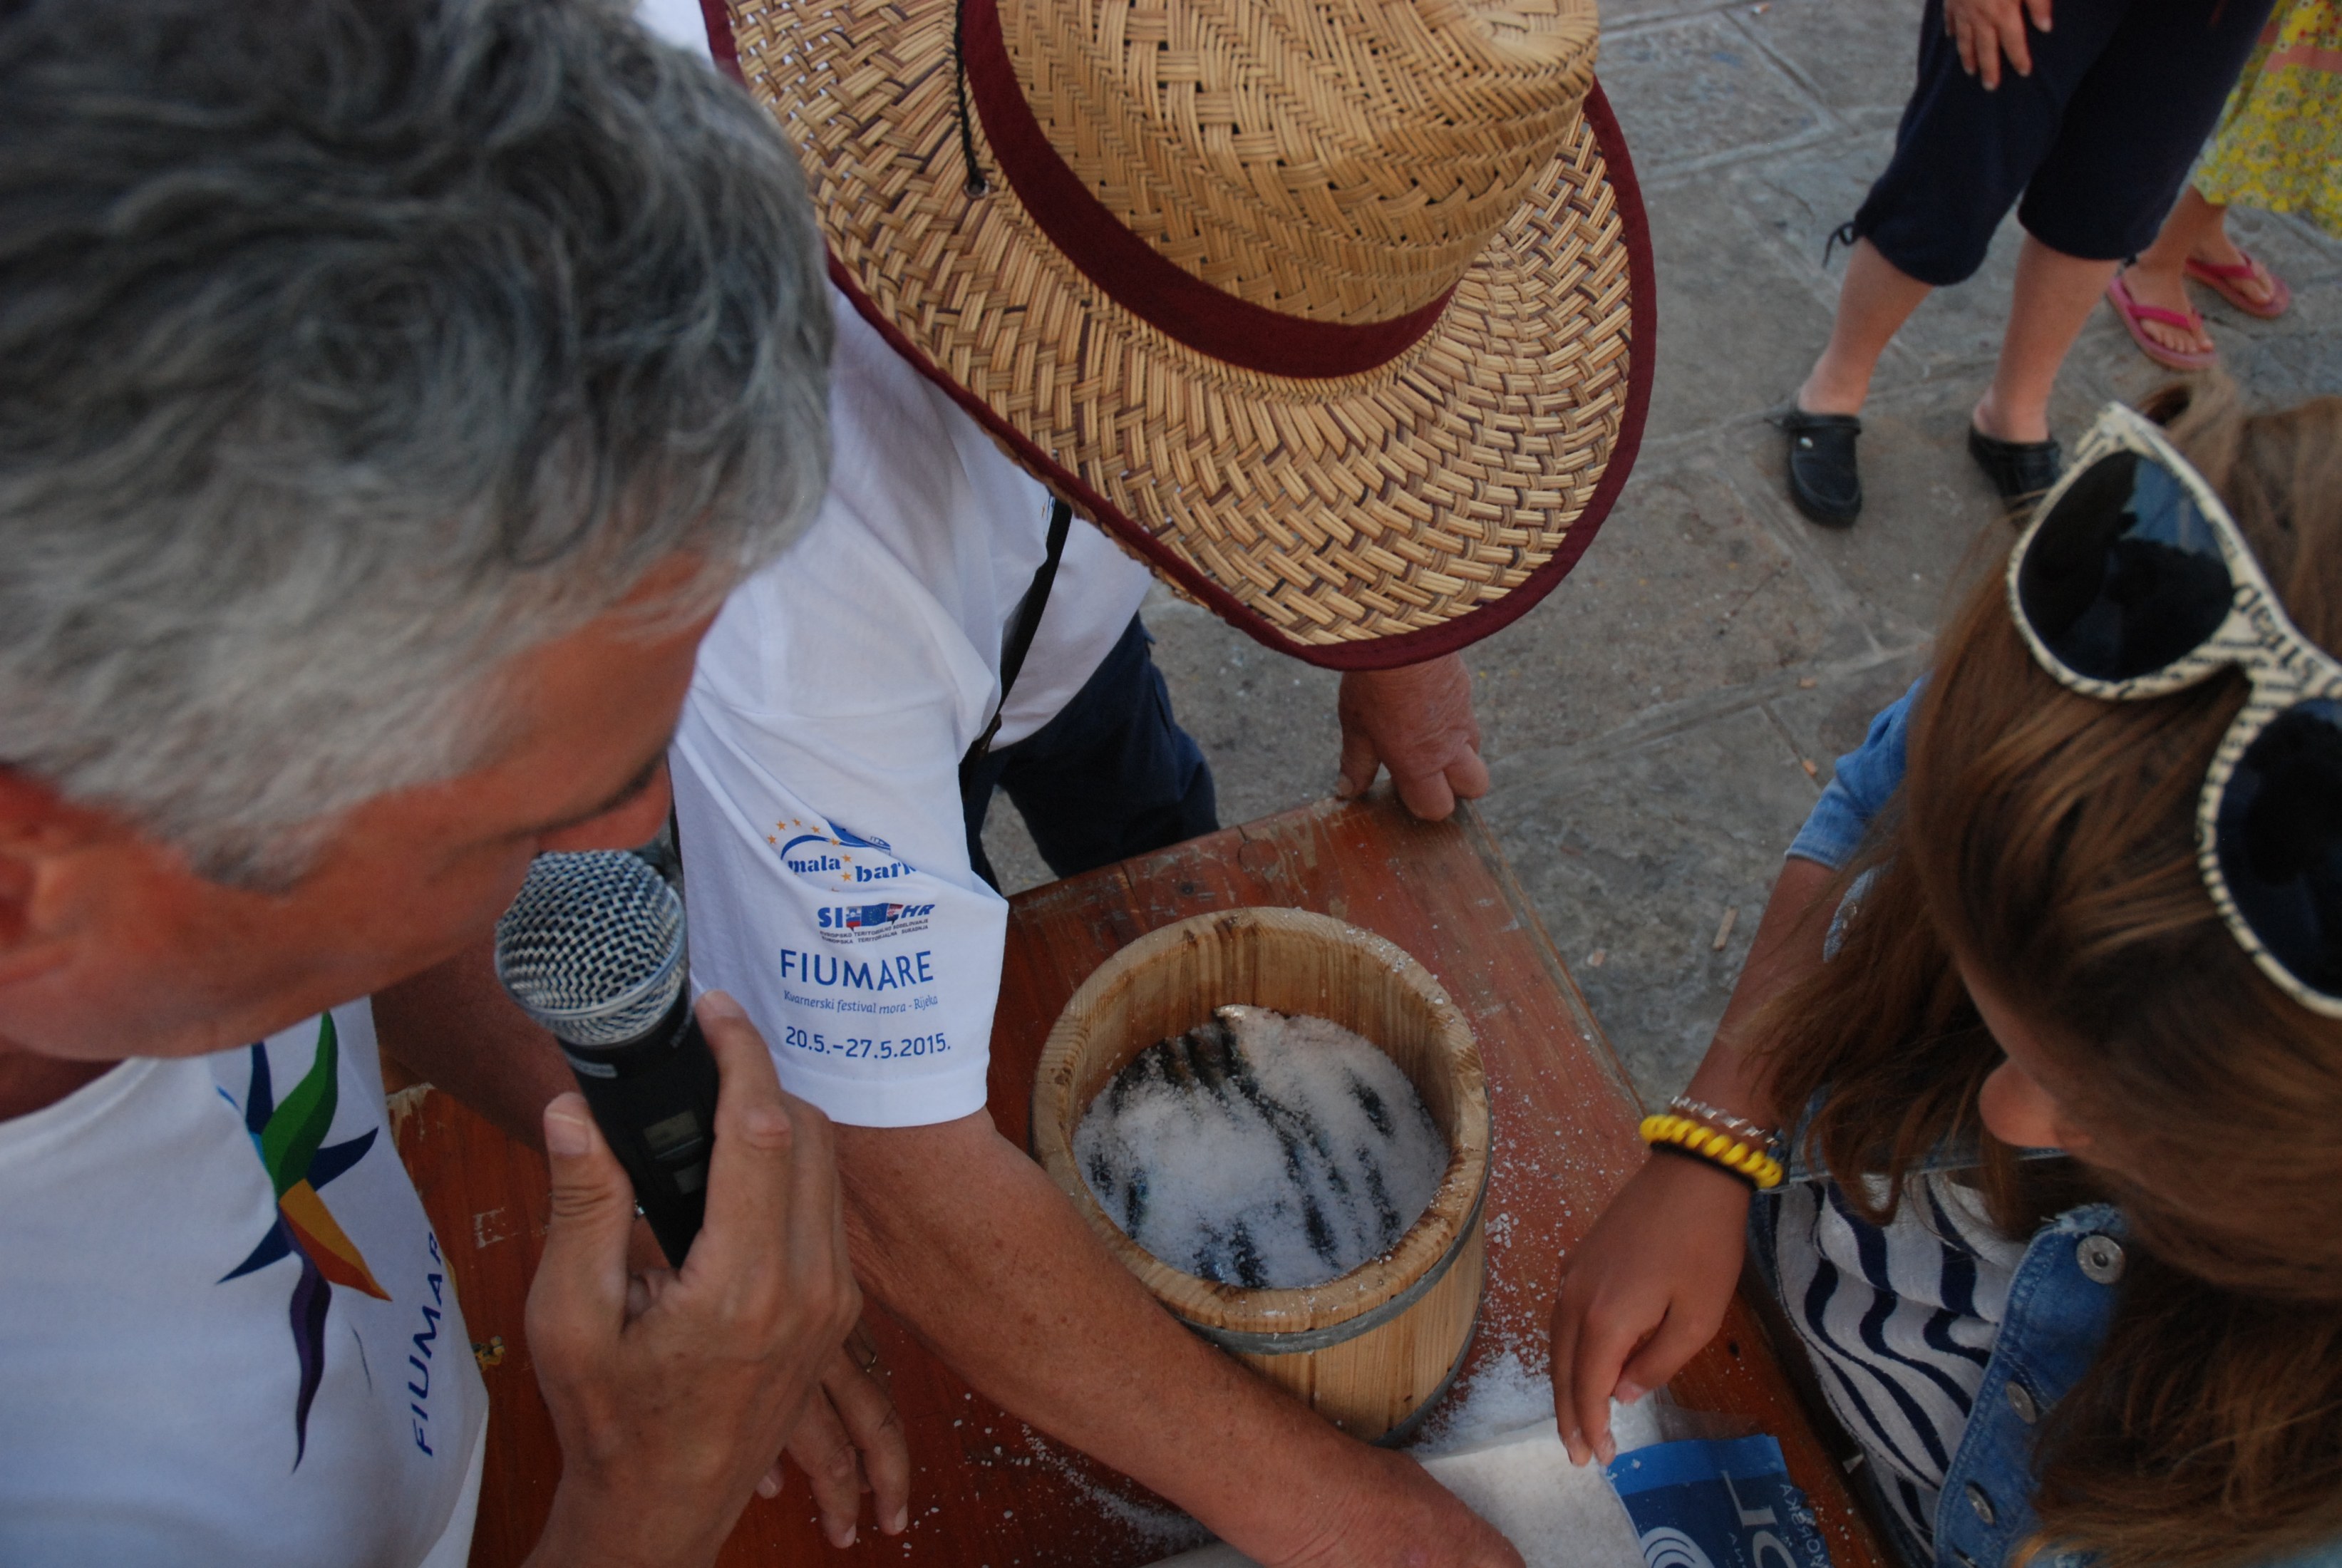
x=592, y=948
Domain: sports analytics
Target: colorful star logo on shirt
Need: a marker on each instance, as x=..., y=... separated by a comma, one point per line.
x=290, y=1139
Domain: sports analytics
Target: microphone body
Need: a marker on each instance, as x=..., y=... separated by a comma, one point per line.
x=592, y=949
x=655, y=1100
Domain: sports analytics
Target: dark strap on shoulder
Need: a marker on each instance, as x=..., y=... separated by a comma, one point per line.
x=1025, y=625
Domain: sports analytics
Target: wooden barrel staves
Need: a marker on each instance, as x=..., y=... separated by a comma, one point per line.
x=1372, y=1350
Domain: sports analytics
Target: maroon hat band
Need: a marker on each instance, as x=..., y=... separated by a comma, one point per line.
x=1129, y=271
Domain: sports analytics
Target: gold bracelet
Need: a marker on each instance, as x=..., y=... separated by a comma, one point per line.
x=1703, y=1141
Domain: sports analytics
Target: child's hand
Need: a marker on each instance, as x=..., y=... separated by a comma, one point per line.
x=1647, y=1288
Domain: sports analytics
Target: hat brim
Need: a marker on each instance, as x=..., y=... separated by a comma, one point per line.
x=1364, y=522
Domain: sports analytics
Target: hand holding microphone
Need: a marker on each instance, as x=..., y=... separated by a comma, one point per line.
x=593, y=950
x=671, y=1408
x=670, y=1415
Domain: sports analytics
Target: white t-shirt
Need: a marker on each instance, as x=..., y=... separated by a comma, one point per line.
x=817, y=770
x=202, y=1363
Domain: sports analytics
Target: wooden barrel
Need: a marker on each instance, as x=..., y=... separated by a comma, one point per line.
x=1372, y=1350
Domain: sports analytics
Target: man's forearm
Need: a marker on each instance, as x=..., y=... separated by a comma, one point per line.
x=1005, y=1284
x=455, y=1026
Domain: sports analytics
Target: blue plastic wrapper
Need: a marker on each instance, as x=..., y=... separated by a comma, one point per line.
x=1708, y=1504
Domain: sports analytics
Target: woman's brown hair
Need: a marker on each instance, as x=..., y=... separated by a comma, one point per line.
x=2047, y=839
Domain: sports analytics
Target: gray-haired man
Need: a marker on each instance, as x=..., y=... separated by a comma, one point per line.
x=389, y=392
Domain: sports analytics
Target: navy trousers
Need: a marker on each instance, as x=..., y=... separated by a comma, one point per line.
x=1111, y=776
x=2097, y=140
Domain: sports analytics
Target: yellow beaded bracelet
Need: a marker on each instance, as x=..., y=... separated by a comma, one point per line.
x=1698, y=1139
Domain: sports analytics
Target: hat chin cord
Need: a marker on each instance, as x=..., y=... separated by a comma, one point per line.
x=976, y=184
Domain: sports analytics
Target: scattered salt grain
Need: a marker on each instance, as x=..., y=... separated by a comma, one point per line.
x=1159, y=1528
x=1262, y=1150
x=1505, y=1397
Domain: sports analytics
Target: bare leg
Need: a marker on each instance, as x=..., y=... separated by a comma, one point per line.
x=1872, y=304
x=2159, y=275
x=2054, y=295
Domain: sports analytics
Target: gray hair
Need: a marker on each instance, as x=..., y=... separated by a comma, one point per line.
x=349, y=348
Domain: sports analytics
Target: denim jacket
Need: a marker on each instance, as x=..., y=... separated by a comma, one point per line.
x=2060, y=1302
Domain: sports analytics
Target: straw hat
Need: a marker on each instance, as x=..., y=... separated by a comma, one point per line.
x=1338, y=312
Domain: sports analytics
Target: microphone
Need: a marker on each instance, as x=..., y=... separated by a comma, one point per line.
x=593, y=950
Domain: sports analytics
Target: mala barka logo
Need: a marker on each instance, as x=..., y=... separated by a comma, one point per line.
x=827, y=855
x=290, y=1139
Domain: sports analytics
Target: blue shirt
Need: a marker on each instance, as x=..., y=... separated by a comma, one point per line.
x=1866, y=778
x=2060, y=1298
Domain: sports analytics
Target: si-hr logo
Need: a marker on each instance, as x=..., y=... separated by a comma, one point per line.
x=864, y=922
x=826, y=854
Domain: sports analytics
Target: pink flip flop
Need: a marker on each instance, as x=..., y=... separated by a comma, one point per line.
x=2133, y=313
x=2222, y=280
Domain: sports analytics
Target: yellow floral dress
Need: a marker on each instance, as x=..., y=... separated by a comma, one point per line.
x=2278, y=146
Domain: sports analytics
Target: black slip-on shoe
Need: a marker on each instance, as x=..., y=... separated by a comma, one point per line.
x=2021, y=471
x=1823, y=480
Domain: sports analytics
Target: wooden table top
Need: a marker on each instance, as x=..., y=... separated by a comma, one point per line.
x=987, y=1491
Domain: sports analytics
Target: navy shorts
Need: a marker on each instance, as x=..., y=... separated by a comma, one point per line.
x=2097, y=140
x=1111, y=776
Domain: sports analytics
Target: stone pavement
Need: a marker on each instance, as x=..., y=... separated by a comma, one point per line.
x=1650, y=725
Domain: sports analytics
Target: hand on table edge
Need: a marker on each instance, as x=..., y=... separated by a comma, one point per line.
x=1649, y=1284
x=1417, y=722
x=851, y=1443
x=669, y=1418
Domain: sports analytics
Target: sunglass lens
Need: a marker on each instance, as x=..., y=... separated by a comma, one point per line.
x=2279, y=839
x=2125, y=575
